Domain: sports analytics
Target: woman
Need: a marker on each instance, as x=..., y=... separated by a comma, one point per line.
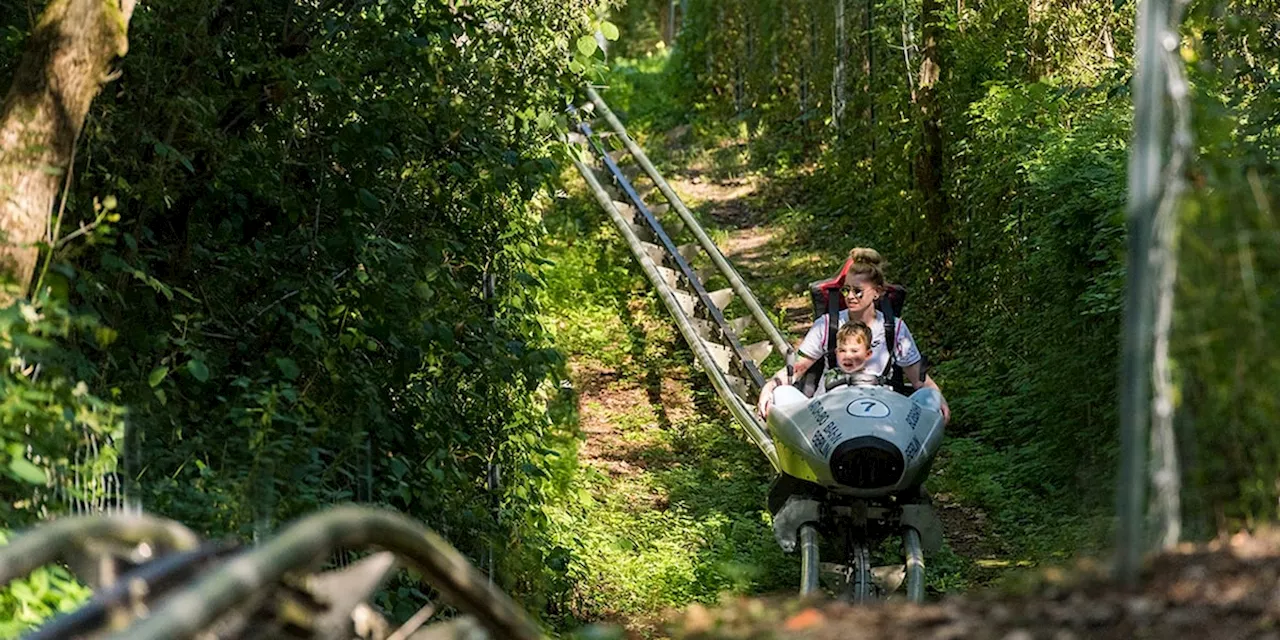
x=864, y=284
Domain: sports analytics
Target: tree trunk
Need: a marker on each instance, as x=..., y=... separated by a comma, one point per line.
x=1038, y=63
x=64, y=66
x=868, y=84
x=929, y=176
x=837, y=74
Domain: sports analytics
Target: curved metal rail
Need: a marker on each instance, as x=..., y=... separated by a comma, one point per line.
x=55, y=541
x=914, y=553
x=317, y=536
x=182, y=589
x=809, y=560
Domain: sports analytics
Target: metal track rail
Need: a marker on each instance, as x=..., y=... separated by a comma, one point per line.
x=713, y=252
x=741, y=411
x=699, y=314
x=660, y=233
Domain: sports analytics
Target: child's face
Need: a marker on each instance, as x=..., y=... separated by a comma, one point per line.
x=852, y=355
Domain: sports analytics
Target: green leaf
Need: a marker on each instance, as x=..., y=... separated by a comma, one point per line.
x=587, y=45
x=288, y=368
x=368, y=200
x=24, y=470
x=198, y=370
x=609, y=30
x=157, y=375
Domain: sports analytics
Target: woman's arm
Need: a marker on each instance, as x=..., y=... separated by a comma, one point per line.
x=766, y=394
x=919, y=379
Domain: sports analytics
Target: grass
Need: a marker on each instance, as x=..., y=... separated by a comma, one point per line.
x=666, y=504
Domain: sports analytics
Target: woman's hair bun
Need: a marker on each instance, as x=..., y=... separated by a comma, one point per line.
x=864, y=255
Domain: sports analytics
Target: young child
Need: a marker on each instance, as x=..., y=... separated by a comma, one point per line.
x=853, y=349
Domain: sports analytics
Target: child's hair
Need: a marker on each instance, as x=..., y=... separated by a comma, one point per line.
x=869, y=264
x=857, y=331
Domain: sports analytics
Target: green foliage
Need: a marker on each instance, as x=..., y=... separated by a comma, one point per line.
x=48, y=415
x=324, y=282
x=1022, y=316
x=37, y=597
x=1022, y=312
x=52, y=429
x=684, y=520
x=1225, y=341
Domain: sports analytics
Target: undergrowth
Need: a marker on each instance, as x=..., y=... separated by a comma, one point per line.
x=683, y=520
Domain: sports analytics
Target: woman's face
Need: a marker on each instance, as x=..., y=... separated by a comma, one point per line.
x=859, y=294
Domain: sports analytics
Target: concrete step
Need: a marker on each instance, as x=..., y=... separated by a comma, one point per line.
x=656, y=252
x=740, y=387
x=671, y=276
x=689, y=251
x=687, y=302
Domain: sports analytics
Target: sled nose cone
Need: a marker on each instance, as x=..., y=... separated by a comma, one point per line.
x=867, y=462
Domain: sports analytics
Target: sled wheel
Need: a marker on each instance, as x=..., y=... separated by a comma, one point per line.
x=861, y=587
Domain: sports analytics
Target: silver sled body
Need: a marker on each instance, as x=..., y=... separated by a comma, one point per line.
x=864, y=441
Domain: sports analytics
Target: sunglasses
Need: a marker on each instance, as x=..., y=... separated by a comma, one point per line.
x=850, y=292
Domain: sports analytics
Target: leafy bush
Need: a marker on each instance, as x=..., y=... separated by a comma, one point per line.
x=323, y=285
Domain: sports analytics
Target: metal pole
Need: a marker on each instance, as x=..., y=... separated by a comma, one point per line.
x=735, y=281
x=744, y=415
x=837, y=75
x=915, y=564
x=1165, y=471
x=809, y=566
x=1145, y=162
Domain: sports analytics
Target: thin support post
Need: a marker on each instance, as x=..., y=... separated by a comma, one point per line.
x=1145, y=163
x=809, y=561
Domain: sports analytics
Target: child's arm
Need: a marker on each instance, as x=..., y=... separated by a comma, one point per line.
x=780, y=378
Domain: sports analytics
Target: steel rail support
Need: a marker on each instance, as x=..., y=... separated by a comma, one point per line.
x=744, y=415
x=809, y=560
x=192, y=610
x=749, y=366
x=735, y=281
x=1145, y=189
x=914, y=553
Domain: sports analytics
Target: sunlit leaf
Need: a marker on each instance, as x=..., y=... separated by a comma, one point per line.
x=24, y=470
